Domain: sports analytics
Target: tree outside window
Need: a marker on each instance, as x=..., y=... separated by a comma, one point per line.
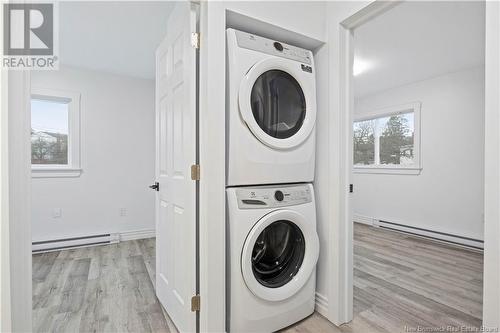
x=55, y=133
x=49, y=132
x=387, y=141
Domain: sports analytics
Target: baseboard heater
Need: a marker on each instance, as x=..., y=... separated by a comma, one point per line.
x=432, y=234
x=74, y=242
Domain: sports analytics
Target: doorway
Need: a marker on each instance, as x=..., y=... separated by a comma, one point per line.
x=93, y=137
x=418, y=203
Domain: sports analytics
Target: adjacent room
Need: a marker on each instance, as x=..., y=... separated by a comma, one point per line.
x=419, y=165
x=93, y=155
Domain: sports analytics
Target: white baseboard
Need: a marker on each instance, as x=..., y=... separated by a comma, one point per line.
x=434, y=235
x=137, y=234
x=322, y=305
x=89, y=240
x=73, y=242
x=363, y=219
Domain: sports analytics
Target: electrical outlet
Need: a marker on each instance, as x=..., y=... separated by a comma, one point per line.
x=123, y=212
x=56, y=213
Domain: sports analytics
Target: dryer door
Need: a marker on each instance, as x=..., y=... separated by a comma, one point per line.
x=277, y=104
x=279, y=255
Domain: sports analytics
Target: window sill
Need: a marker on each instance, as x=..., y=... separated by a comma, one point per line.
x=55, y=172
x=388, y=170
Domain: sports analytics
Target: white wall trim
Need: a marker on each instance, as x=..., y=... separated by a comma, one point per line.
x=357, y=218
x=381, y=170
x=436, y=235
x=341, y=166
x=321, y=304
x=90, y=240
x=75, y=242
x=137, y=234
x=19, y=160
x=491, y=290
x=5, y=300
x=55, y=172
x=212, y=194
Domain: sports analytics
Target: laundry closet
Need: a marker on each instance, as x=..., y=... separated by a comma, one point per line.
x=262, y=182
x=272, y=244
x=268, y=133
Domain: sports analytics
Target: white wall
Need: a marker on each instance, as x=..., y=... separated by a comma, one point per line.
x=117, y=158
x=448, y=194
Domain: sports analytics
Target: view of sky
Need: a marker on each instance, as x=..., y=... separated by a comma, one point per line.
x=383, y=121
x=49, y=116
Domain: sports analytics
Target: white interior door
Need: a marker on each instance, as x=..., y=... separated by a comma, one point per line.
x=176, y=152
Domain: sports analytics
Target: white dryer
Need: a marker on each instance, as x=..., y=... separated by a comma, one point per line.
x=272, y=250
x=271, y=111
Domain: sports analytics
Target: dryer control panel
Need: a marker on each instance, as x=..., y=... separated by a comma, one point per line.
x=272, y=47
x=273, y=196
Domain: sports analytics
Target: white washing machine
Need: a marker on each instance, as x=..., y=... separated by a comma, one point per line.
x=272, y=252
x=271, y=111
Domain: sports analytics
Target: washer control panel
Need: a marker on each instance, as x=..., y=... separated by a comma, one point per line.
x=269, y=46
x=272, y=196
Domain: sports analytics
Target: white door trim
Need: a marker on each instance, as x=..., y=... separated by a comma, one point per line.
x=491, y=287
x=212, y=145
x=5, y=312
x=19, y=199
x=341, y=234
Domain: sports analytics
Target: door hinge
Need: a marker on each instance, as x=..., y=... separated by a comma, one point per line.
x=195, y=303
x=195, y=172
x=195, y=40
x=351, y=188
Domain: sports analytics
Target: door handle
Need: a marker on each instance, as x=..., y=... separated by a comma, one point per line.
x=155, y=186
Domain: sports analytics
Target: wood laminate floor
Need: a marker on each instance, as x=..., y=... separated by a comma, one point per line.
x=399, y=281
x=97, y=289
x=403, y=282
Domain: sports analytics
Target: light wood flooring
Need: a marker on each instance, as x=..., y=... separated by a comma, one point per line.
x=403, y=282
x=399, y=281
x=97, y=289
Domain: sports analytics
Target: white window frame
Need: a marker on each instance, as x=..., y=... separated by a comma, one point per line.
x=414, y=169
x=73, y=168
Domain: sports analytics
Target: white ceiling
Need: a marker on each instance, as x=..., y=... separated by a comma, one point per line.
x=418, y=40
x=115, y=37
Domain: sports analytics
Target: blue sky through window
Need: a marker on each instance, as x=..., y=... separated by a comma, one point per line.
x=49, y=116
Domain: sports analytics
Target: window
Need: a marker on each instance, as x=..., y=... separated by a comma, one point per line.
x=388, y=141
x=55, y=133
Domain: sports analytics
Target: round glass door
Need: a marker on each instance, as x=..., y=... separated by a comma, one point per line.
x=278, y=254
x=278, y=104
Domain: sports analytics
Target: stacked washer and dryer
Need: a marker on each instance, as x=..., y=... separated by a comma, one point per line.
x=272, y=243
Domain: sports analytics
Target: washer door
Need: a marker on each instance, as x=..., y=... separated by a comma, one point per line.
x=279, y=255
x=276, y=104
